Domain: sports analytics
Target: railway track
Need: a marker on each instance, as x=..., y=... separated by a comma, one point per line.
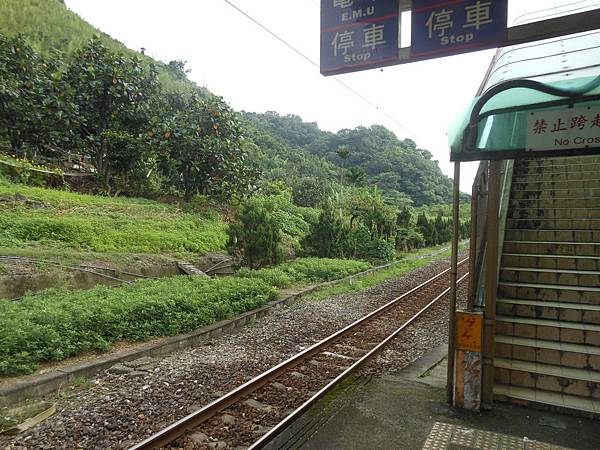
x=254, y=413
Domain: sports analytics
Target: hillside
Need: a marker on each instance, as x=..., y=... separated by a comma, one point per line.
x=400, y=169
x=49, y=25
x=282, y=147
x=107, y=111
x=48, y=222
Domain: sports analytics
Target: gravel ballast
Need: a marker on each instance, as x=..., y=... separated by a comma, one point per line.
x=120, y=407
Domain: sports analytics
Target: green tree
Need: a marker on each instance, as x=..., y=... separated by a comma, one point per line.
x=343, y=153
x=427, y=229
x=465, y=228
x=131, y=160
x=443, y=228
x=329, y=237
x=114, y=94
x=36, y=111
x=405, y=217
x=202, y=143
x=309, y=191
x=357, y=176
x=178, y=69
x=408, y=239
x=368, y=206
x=254, y=236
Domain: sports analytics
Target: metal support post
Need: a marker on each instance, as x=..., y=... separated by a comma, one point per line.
x=473, y=247
x=453, y=277
x=491, y=283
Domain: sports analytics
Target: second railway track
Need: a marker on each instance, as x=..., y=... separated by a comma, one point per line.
x=254, y=413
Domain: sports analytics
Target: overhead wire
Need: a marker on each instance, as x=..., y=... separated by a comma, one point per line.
x=314, y=63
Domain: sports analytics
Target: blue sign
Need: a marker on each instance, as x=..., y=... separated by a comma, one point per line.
x=358, y=34
x=440, y=28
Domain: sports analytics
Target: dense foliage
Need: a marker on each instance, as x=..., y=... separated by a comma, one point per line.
x=203, y=141
x=371, y=155
x=360, y=193
x=110, y=109
x=305, y=270
x=255, y=236
x=56, y=324
x=328, y=238
x=362, y=225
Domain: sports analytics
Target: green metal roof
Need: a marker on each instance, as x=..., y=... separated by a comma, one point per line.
x=536, y=76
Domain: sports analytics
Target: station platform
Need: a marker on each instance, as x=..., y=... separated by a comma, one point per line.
x=409, y=411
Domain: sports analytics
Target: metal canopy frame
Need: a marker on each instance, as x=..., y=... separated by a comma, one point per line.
x=469, y=143
x=520, y=34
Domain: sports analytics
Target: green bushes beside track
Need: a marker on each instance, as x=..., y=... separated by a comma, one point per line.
x=55, y=324
x=306, y=270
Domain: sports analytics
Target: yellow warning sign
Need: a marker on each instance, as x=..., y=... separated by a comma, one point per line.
x=468, y=331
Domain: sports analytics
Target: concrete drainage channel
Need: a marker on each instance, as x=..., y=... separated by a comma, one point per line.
x=137, y=361
x=84, y=276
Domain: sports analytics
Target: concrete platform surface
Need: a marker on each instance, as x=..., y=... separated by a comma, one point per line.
x=409, y=411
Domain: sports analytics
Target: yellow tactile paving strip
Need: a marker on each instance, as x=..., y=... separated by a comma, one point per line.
x=445, y=436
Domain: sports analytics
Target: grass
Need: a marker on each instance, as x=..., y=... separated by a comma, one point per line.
x=50, y=220
x=56, y=324
x=411, y=262
x=305, y=270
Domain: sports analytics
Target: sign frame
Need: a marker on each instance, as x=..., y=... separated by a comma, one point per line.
x=358, y=35
x=449, y=28
x=519, y=34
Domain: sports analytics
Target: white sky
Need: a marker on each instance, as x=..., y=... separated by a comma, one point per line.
x=253, y=71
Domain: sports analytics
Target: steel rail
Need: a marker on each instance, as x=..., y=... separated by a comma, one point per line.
x=193, y=420
x=287, y=421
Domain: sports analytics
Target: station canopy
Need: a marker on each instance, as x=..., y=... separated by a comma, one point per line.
x=553, y=74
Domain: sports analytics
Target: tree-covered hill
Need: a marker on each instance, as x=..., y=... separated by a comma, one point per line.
x=49, y=25
x=284, y=147
x=370, y=155
x=312, y=161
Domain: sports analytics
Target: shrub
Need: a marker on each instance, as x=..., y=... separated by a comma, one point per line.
x=300, y=270
x=408, y=239
x=324, y=269
x=274, y=276
x=329, y=237
x=380, y=249
x=56, y=324
x=255, y=236
x=359, y=240
x=293, y=221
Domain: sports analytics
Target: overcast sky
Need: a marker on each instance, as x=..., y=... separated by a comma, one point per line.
x=236, y=59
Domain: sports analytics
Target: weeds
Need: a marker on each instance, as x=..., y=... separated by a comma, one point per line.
x=55, y=324
x=305, y=270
